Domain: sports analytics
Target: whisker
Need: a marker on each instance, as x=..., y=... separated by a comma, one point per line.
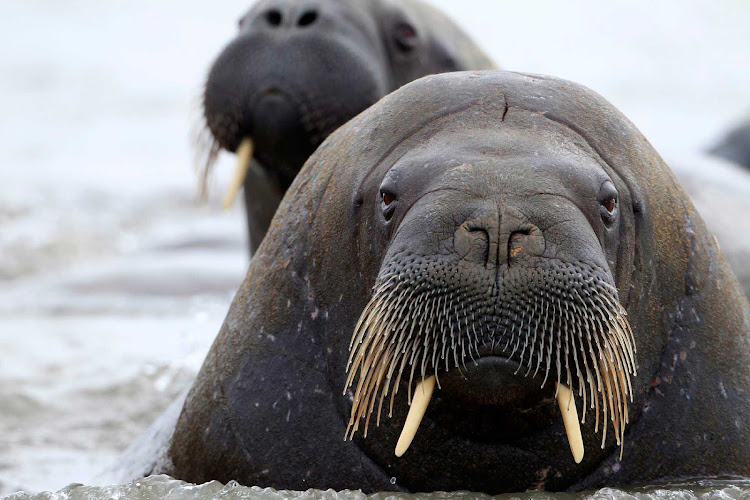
x=564, y=321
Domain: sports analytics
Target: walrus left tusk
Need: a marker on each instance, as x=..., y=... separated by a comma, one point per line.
x=422, y=395
x=244, y=157
x=567, y=404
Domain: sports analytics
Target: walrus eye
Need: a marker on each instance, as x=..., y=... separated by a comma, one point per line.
x=387, y=203
x=608, y=201
x=610, y=204
x=387, y=199
x=406, y=36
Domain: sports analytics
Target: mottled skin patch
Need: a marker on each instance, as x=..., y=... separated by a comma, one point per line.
x=325, y=248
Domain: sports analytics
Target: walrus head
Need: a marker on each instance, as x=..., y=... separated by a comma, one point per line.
x=496, y=267
x=296, y=71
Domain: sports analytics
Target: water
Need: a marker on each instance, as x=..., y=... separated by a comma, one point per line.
x=164, y=487
x=114, y=281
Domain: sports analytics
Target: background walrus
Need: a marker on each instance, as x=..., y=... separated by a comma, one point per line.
x=483, y=227
x=296, y=71
x=735, y=146
x=720, y=190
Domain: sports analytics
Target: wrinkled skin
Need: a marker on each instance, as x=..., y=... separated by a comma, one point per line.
x=735, y=146
x=486, y=174
x=298, y=70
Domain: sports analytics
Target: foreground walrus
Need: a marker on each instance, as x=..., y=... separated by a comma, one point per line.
x=297, y=71
x=735, y=146
x=514, y=236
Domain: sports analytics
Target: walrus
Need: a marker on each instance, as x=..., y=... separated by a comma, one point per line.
x=296, y=71
x=487, y=281
x=735, y=145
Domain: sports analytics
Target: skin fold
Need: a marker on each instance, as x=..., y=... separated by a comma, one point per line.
x=481, y=188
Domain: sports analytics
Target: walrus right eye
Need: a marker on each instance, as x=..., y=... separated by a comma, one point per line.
x=387, y=203
x=406, y=37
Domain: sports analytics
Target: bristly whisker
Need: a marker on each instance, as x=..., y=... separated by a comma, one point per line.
x=423, y=316
x=205, y=153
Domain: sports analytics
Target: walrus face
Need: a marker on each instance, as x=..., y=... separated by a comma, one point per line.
x=298, y=70
x=497, y=281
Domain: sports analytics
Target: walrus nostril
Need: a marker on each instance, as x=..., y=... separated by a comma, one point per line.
x=274, y=17
x=515, y=243
x=307, y=18
x=472, y=243
x=525, y=241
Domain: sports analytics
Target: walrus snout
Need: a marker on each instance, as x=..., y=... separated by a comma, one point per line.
x=277, y=130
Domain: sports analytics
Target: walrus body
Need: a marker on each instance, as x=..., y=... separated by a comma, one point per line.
x=297, y=71
x=735, y=146
x=482, y=227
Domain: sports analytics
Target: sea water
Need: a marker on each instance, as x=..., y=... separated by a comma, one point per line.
x=114, y=280
x=164, y=487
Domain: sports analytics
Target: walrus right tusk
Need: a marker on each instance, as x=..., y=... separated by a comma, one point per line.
x=567, y=404
x=422, y=395
x=244, y=157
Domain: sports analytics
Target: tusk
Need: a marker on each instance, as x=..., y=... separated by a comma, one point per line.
x=244, y=157
x=567, y=404
x=422, y=395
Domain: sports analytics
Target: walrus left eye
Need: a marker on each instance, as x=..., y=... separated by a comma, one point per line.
x=387, y=199
x=608, y=201
x=406, y=36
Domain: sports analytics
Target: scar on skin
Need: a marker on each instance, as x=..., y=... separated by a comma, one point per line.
x=463, y=168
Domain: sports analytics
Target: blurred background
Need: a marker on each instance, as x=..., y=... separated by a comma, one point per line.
x=114, y=280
